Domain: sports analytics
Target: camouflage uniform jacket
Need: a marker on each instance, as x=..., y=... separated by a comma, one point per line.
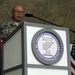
x=7, y=28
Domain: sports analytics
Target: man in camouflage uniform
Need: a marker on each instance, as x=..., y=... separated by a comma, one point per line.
x=8, y=27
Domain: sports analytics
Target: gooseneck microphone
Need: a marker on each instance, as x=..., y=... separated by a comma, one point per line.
x=31, y=15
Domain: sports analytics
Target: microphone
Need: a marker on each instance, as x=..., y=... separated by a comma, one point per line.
x=33, y=16
x=29, y=15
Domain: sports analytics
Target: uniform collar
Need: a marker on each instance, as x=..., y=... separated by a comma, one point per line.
x=12, y=22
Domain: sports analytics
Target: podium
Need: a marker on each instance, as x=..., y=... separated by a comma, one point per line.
x=37, y=49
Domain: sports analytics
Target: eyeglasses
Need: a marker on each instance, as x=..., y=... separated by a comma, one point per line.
x=17, y=11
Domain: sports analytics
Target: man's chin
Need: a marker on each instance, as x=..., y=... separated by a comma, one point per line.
x=18, y=20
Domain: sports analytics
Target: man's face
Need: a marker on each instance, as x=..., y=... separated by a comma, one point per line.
x=18, y=13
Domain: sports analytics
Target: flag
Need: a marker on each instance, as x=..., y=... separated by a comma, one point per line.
x=73, y=58
x=0, y=44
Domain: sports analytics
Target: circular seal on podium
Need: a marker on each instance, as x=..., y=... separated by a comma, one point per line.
x=47, y=46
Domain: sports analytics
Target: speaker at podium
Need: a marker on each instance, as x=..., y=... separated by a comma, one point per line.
x=37, y=49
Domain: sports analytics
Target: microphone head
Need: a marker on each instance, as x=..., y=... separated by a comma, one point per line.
x=29, y=15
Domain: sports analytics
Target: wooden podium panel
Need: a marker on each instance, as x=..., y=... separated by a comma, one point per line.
x=23, y=52
x=35, y=65
x=12, y=54
x=15, y=72
x=32, y=30
x=32, y=71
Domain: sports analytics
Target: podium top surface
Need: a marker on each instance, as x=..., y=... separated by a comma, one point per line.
x=24, y=24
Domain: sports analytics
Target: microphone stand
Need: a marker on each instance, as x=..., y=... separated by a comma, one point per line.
x=46, y=21
x=49, y=22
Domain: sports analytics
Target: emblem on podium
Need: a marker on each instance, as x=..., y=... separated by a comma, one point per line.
x=47, y=46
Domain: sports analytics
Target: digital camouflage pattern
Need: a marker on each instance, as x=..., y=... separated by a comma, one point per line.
x=7, y=28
